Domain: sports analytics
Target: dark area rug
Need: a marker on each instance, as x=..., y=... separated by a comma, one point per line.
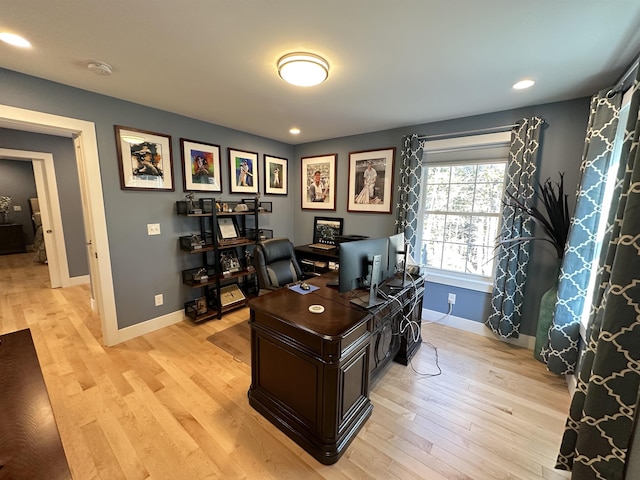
x=235, y=341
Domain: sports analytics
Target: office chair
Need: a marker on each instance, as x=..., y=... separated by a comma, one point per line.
x=276, y=263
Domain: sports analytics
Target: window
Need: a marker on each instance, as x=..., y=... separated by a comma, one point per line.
x=463, y=185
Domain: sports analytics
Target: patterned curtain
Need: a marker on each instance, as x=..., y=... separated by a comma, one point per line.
x=512, y=259
x=603, y=409
x=561, y=350
x=410, y=180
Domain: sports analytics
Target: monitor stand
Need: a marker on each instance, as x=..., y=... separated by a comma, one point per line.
x=400, y=282
x=371, y=299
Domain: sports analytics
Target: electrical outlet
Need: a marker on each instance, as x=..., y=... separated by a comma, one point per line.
x=153, y=229
x=17, y=208
x=452, y=299
x=159, y=300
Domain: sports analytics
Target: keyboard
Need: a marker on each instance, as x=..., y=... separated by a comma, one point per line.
x=322, y=246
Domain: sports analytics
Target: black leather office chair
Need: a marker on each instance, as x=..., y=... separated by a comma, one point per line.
x=276, y=263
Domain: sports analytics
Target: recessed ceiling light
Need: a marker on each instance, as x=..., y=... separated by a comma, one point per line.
x=303, y=69
x=15, y=40
x=522, y=84
x=294, y=131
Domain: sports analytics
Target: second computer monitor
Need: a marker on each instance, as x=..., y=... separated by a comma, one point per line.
x=356, y=260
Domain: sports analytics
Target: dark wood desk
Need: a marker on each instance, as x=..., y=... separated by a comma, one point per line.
x=310, y=373
x=306, y=255
x=30, y=446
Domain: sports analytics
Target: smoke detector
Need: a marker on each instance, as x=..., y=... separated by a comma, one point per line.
x=100, y=68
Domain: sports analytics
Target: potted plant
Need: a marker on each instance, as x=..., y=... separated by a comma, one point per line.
x=553, y=218
x=5, y=205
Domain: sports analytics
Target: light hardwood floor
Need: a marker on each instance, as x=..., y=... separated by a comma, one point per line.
x=171, y=405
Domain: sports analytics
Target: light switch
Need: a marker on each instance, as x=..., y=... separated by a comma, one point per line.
x=153, y=229
x=17, y=208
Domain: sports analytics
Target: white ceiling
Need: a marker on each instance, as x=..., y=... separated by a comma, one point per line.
x=393, y=63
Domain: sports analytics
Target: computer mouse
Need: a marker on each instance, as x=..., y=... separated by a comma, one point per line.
x=304, y=286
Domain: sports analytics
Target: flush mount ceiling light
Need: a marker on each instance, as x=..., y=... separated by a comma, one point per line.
x=100, y=68
x=294, y=131
x=522, y=84
x=15, y=40
x=303, y=69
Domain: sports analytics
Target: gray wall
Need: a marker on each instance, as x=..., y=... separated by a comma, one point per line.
x=64, y=160
x=17, y=182
x=561, y=150
x=144, y=266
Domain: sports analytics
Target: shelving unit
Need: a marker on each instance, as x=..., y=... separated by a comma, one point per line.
x=225, y=276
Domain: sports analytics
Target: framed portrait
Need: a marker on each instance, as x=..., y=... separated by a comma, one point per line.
x=200, y=166
x=276, y=177
x=318, y=182
x=371, y=180
x=144, y=159
x=243, y=171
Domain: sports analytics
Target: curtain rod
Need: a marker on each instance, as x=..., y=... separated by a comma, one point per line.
x=620, y=83
x=468, y=132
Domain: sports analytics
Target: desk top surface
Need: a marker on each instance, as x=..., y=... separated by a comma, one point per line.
x=30, y=446
x=338, y=318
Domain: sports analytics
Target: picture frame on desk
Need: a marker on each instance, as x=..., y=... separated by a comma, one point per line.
x=145, y=160
x=326, y=229
x=371, y=181
x=200, y=166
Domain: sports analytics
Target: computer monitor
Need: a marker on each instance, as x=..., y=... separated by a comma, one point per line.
x=356, y=262
x=397, y=257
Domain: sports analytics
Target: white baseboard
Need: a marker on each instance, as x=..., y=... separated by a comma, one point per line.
x=149, y=326
x=526, y=341
x=80, y=280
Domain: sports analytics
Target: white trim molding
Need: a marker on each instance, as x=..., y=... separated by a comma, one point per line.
x=526, y=341
x=149, y=326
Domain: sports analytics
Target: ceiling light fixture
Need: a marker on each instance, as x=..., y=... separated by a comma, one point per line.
x=294, y=131
x=303, y=69
x=15, y=40
x=522, y=84
x=100, y=68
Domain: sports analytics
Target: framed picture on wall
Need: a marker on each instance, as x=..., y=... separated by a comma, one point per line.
x=318, y=182
x=243, y=171
x=371, y=181
x=276, y=176
x=200, y=166
x=144, y=159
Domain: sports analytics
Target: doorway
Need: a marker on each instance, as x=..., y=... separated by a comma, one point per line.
x=47, y=193
x=83, y=133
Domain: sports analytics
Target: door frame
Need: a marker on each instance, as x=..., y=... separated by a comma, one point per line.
x=47, y=192
x=87, y=160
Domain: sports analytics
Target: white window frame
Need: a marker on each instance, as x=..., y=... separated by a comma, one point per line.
x=459, y=145
x=604, y=213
